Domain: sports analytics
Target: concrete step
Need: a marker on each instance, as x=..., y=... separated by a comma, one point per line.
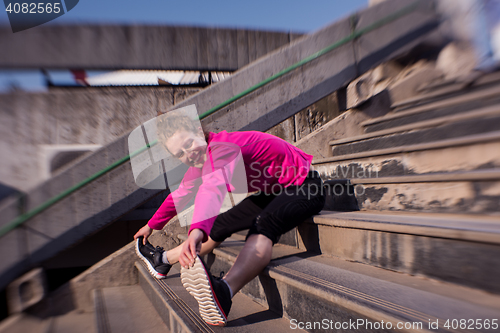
x=179, y=310
x=457, y=175
x=459, y=84
x=478, y=122
x=471, y=192
x=408, y=124
x=313, y=288
x=459, y=249
x=75, y=321
x=22, y=323
x=467, y=192
x=447, y=91
x=469, y=142
x=125, y=310
x=475, y=152
x=466, y=101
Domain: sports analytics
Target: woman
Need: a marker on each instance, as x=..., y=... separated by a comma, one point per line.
x=224, y=163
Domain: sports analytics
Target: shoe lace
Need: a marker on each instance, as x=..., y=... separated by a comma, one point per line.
x=159, y=248
x=221, y=275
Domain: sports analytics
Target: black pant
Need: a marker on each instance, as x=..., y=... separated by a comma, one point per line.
x=272, y=215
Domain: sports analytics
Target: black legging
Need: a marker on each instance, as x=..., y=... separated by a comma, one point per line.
x=272, y=215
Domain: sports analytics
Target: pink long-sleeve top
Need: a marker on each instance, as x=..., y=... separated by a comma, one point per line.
x=267, y=160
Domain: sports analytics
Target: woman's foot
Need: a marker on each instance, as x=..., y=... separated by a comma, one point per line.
x=212, y=294
x=153, y=258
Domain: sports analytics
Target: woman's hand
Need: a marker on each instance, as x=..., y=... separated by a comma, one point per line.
x=190, y=248
x=145, y=232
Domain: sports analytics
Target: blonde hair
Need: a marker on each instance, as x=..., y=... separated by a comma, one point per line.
x=169, y=123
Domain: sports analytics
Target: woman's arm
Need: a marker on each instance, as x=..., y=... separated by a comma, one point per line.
x=191, y=247
x=144, y=232
x=175, y=202
x=223, y=172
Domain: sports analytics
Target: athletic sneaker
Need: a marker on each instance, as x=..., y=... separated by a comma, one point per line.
x=153, y=258
x=212, y=294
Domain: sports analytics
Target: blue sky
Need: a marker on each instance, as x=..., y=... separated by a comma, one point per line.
x=280, y=15
x=301, y=16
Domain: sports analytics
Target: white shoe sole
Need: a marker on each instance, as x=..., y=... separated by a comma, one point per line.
x=148, y=264
x=196, y=280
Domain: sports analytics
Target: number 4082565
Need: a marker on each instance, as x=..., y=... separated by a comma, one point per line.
x=33, y=8
x=471, y=324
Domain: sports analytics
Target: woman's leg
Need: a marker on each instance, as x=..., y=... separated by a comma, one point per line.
x=292, y=206
x=240, y=217
x=253, y=258
x=286, y=211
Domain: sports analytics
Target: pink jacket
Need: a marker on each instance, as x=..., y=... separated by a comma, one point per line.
x=267, y=159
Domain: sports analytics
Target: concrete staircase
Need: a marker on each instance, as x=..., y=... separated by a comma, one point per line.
x=104, y=200
x=150, y=306
x=418, y=268
x=426, y=174
x=433, y=153
x=422, y=253
x=310, y=288
x=306, y=290
x=411, y=244
x=412, y=268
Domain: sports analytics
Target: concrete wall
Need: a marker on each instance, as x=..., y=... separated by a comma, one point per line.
x=308, y=120
x=29, y=122
x=136, y=47
x=33, y=122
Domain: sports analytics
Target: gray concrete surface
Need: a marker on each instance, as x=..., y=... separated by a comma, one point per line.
x=308, y=120
x=462, y=100
x=113, y=271
x=74, y=321
x=435, y=179
x=452, y=248
x=347, y=125
x=447, y=157
x=125, y=47
x=476, y=124
x=26, y=291
x=31, y=121
x=309, y=287
x=125, y=309
x=22, y=323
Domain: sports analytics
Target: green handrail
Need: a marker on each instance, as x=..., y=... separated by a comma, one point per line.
x=355, y=34
x=35, y=211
